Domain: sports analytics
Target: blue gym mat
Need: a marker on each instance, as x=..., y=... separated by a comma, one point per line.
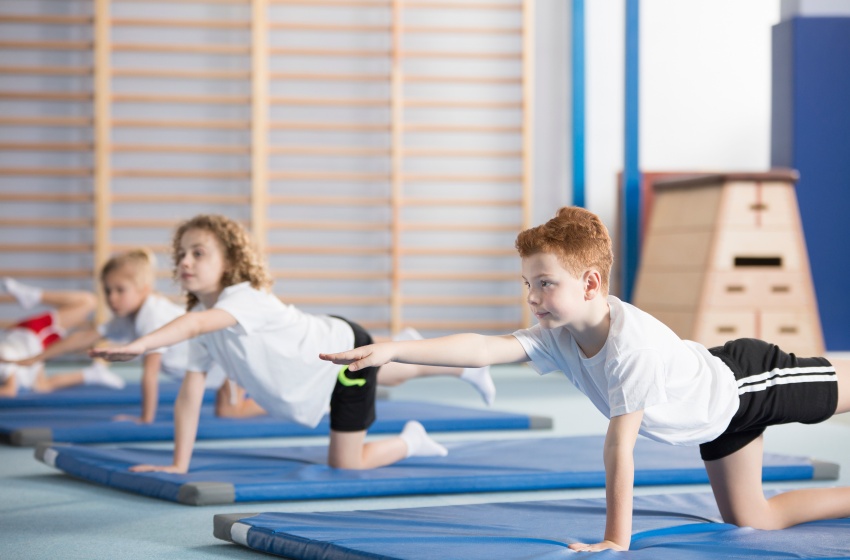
x=300, y=473
x=669, y=527
x=87, y=395
x=29, y=427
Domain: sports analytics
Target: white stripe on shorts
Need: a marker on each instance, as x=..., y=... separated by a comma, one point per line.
x=780, y=376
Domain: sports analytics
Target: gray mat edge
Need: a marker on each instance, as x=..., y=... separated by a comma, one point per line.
x=539, y=422
x=30, y=437
x=206, y=493
x=222, y=522
x=824, y=470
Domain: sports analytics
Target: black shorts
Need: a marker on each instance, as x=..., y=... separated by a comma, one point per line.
x=353, y=398
x=773, y=388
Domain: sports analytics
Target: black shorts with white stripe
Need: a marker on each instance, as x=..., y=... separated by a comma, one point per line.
x=773, y=388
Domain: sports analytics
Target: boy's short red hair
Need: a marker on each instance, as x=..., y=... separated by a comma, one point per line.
x=579, y=239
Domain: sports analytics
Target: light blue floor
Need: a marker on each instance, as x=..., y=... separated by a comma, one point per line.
x=45, y=514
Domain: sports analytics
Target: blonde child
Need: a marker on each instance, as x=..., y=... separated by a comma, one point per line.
x=21, y=346
x=646, y=380
x=128, y=286
x=271, y=349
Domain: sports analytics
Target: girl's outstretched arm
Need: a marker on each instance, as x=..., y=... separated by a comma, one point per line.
x=459, y=350
x=182, y=328
x=187, y=409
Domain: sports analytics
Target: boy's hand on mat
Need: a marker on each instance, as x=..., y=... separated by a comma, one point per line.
x=118, y=353
x=158, y=468
x=604, y=545
x=373, y=355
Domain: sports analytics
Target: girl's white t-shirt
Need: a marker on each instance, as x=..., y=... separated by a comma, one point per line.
x=155, y=312
x=688, y=395
x=273, y=352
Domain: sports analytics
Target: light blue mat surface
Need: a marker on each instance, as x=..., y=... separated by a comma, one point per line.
x=96, y=425
x=300, y=473
x=87, y=395
x=666, y=527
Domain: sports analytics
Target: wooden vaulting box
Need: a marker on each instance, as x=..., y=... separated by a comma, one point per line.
x=725, y=257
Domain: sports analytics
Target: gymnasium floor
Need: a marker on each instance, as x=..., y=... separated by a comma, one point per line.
x=46, y=514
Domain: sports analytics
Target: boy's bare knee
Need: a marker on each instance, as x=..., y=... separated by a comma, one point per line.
x=763, y=519
x=88, y=300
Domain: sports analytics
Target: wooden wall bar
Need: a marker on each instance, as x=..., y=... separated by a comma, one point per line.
x=381, y=156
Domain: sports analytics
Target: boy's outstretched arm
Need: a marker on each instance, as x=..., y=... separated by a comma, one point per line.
x=459, y=350
x=182, y=328
x=619, y=482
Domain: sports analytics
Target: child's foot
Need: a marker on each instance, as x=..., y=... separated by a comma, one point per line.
x=408, y=333
x=99, y=374
x=481, y=380
x=419, y=443
x=27, y=296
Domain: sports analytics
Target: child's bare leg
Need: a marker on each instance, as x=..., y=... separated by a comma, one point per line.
x=347, y=450
x=45, y=384
x=393, y=373
x=737, y=486
x=230, y=402
x=72, y=307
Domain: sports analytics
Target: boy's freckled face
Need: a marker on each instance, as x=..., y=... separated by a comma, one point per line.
x=554, y=295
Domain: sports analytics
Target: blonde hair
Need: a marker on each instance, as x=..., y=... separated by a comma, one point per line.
x=140, y=263
x=242, y=263
x=577, y=237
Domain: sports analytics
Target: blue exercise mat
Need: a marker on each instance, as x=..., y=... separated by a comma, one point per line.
x=87, y=395
x=28, y=427
x=669, y=527
x=300, y=473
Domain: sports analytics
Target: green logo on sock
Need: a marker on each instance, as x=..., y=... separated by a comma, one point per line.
x=349, y=382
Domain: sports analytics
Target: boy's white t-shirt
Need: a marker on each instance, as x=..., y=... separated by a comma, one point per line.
x=155, y=312
x=273, y=352
x=688, y=395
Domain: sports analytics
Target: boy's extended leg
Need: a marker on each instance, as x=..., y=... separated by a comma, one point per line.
x=736, y=482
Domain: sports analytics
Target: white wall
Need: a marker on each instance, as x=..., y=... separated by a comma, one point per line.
x=704, y=89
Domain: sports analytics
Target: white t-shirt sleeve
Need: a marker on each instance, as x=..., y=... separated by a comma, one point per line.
x=536, y=349
x=636, y=382
x=199, y=356
x=248, y=308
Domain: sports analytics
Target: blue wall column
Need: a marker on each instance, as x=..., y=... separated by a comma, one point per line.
x=811, y=133
x=578, y=109
x=631, y=166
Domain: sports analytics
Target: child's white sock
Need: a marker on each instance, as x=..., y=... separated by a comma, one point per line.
x=419, y=443
x=99, y=374
x=481, y=380
x=27, y=296
x=408, y=333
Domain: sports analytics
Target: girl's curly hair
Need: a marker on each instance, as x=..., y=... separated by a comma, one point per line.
x=577, y=237
x=243, y=264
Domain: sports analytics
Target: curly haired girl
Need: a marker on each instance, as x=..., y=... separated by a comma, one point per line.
x=271, y=350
